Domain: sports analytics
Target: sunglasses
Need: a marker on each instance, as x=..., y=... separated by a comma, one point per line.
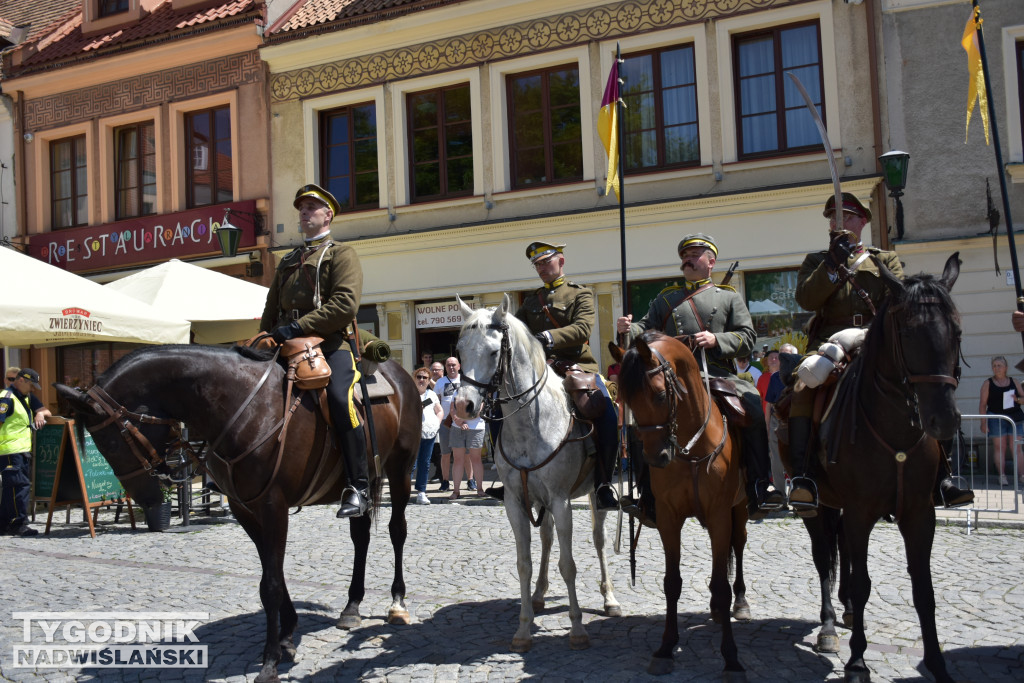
x=422, y=377
x=11, y=379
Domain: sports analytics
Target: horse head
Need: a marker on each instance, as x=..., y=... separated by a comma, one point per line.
x=479, y=347
x=921, y=332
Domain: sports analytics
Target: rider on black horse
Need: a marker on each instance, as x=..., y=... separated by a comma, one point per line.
x=315, y=292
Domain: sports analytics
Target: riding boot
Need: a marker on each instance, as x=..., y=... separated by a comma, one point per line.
x=946, y=493
x=803, y=498
x=762, y=498
x=606, y=442
x=642, y=509
x=355, y=499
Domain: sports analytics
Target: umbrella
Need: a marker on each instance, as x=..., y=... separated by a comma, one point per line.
x=220, y=307
x=51, y=307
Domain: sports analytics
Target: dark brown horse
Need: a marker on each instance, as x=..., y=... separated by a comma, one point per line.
x=206, y=388
x=695, y=472
x=895, y=405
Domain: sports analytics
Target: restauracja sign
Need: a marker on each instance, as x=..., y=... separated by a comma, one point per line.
x=142, y=240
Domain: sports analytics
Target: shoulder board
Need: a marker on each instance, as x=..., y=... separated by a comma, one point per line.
x=727, y=287
x=573, y=284
x=670, y=288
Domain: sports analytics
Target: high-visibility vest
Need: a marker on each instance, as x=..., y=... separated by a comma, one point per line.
x=16, y=431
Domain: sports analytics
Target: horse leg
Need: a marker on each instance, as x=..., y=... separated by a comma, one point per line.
x=597, y=517
x=740, y=607
x=918, y=530
x=289, y=620
x=398, y=613
x=720, y=529
x=857, y=532
x=359, y=532
x=661, y=662
x=547, y=535
x=578, y=638
x=821, y=529
x=517, y=517
x=844, y=574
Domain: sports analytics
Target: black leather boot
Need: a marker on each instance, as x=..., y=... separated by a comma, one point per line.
x=355, y=499
x=606, y=442
x=946, y=493
x=804, y=496
x=762, y=497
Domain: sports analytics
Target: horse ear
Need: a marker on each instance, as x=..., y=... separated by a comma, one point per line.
x=466, y=310
x=640, y=344
x=77, y=399
x=894, y=284
x=503, y=309
x=617, y=351
x=951, y=271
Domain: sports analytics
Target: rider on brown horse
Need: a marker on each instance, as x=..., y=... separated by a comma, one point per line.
x=315, y=292
x=843, y=288
x=717, y=320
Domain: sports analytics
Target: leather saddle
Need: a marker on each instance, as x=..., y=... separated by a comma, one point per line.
x=724, y=392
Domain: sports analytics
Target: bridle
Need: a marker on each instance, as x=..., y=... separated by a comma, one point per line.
x=499, y=381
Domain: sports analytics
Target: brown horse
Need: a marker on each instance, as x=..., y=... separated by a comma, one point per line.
x=661, y=383
x=235, y=399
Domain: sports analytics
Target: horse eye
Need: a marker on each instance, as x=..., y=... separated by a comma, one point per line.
x=661, y=397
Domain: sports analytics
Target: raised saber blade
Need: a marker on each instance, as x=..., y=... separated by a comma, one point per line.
x=824, y=140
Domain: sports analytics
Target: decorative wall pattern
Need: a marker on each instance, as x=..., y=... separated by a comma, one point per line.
x=500, y=43
x=143, y=91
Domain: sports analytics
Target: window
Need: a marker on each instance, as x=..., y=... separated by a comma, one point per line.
x=210, y=169
x=771, y=300
x=135, y=170
x=440, y=143
x=771, y=114
x=348, y=157
x=660, y=118
x=110, y=7
x=546, y=136
x=68, y=187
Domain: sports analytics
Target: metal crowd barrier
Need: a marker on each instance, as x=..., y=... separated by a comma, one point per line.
x=973, y=461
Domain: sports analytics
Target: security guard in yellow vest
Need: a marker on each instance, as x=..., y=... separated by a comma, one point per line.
x=315, y=292
x=561, y=316
x=719, y=322
x=20, y=412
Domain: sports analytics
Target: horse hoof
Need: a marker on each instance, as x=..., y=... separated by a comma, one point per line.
x=734, y=676
x=741, y=613
x=827, y=643
x=288, y=650
x=538, y=606
x=659, y=666
x=399, y=617
x=349, y=621
x=268, y=674
x=521, y=644
x=613, y=611
x=579, y=642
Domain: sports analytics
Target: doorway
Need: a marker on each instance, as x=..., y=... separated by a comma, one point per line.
x=439, y=343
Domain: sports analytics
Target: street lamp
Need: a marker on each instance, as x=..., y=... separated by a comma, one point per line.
x=894, y=168
x=228, y=235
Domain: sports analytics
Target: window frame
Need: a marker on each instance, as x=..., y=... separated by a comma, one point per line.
x=76, y=221
x=780, y=88
x=545, y=72
x=322, y=147
x=111, y=8
x=441, y=124
x=212, y=159
x=141, y=167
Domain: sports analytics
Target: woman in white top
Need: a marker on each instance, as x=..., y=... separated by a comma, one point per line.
x=428, y=432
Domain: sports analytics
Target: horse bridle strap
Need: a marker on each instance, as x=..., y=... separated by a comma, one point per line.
x=124, y=418
x=498, y=380
x=901, y=362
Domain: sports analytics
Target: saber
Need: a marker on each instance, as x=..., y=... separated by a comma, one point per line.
x=824, y=139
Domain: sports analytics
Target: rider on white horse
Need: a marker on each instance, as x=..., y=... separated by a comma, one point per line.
x=561, y=316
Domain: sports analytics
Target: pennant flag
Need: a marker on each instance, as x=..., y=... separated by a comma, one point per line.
x=608, y=128
x=976, y=88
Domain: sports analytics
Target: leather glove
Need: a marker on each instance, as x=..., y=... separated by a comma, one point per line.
x=286, y=332
x=545, y=340
x=839, y=249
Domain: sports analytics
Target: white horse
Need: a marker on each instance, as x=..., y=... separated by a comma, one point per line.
x=541, y=457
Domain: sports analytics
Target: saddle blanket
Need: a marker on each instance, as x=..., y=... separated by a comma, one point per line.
x=376, y=384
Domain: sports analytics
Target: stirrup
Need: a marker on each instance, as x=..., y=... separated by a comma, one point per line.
x=957, y=497
x=354, y=503
x=610, y=501
x=631, y=507
x=802, y=507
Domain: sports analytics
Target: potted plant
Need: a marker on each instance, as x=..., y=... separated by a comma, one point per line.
x=158, y=517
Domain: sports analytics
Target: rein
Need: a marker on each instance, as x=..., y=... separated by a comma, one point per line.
x=498, y=381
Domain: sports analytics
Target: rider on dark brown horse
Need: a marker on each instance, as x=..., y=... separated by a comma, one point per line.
x=841, y=301
x=717, y=319
x=561, y=316
x=315, y=292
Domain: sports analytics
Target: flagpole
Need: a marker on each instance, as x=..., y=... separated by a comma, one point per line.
x=622, y=199
x=993, y=124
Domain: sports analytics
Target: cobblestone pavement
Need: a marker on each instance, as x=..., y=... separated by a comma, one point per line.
x=463, y=597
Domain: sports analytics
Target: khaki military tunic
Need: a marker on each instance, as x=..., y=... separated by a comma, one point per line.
x=291, y=295
x=572, y=307
x=837, y=306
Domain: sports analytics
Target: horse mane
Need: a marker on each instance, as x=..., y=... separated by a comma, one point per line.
x=518, y=333
x=144, y=353
x=633, y=377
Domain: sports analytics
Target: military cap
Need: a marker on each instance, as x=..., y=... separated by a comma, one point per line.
x=698, y=239
x=31, y=375
x=538, y=250
x=850, y=204
x=318, y=193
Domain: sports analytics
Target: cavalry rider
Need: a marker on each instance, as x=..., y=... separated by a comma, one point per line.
x=840, y=302
x=315, y=292
x=561, y=315
x=718, y=321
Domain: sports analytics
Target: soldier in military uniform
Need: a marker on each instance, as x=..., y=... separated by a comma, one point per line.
x=561, y=316
x=723, y=328
x=840, y=303
x=315, y=292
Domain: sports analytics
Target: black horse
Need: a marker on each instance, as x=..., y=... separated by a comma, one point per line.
x=895, y=405
x=235, y=398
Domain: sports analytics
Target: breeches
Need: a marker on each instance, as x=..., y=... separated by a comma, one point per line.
x=16, y=470
x=340, y=400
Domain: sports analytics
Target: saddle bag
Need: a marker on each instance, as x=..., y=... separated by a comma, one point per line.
x=728, y=400
x=306, y=363
x=588, y=397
